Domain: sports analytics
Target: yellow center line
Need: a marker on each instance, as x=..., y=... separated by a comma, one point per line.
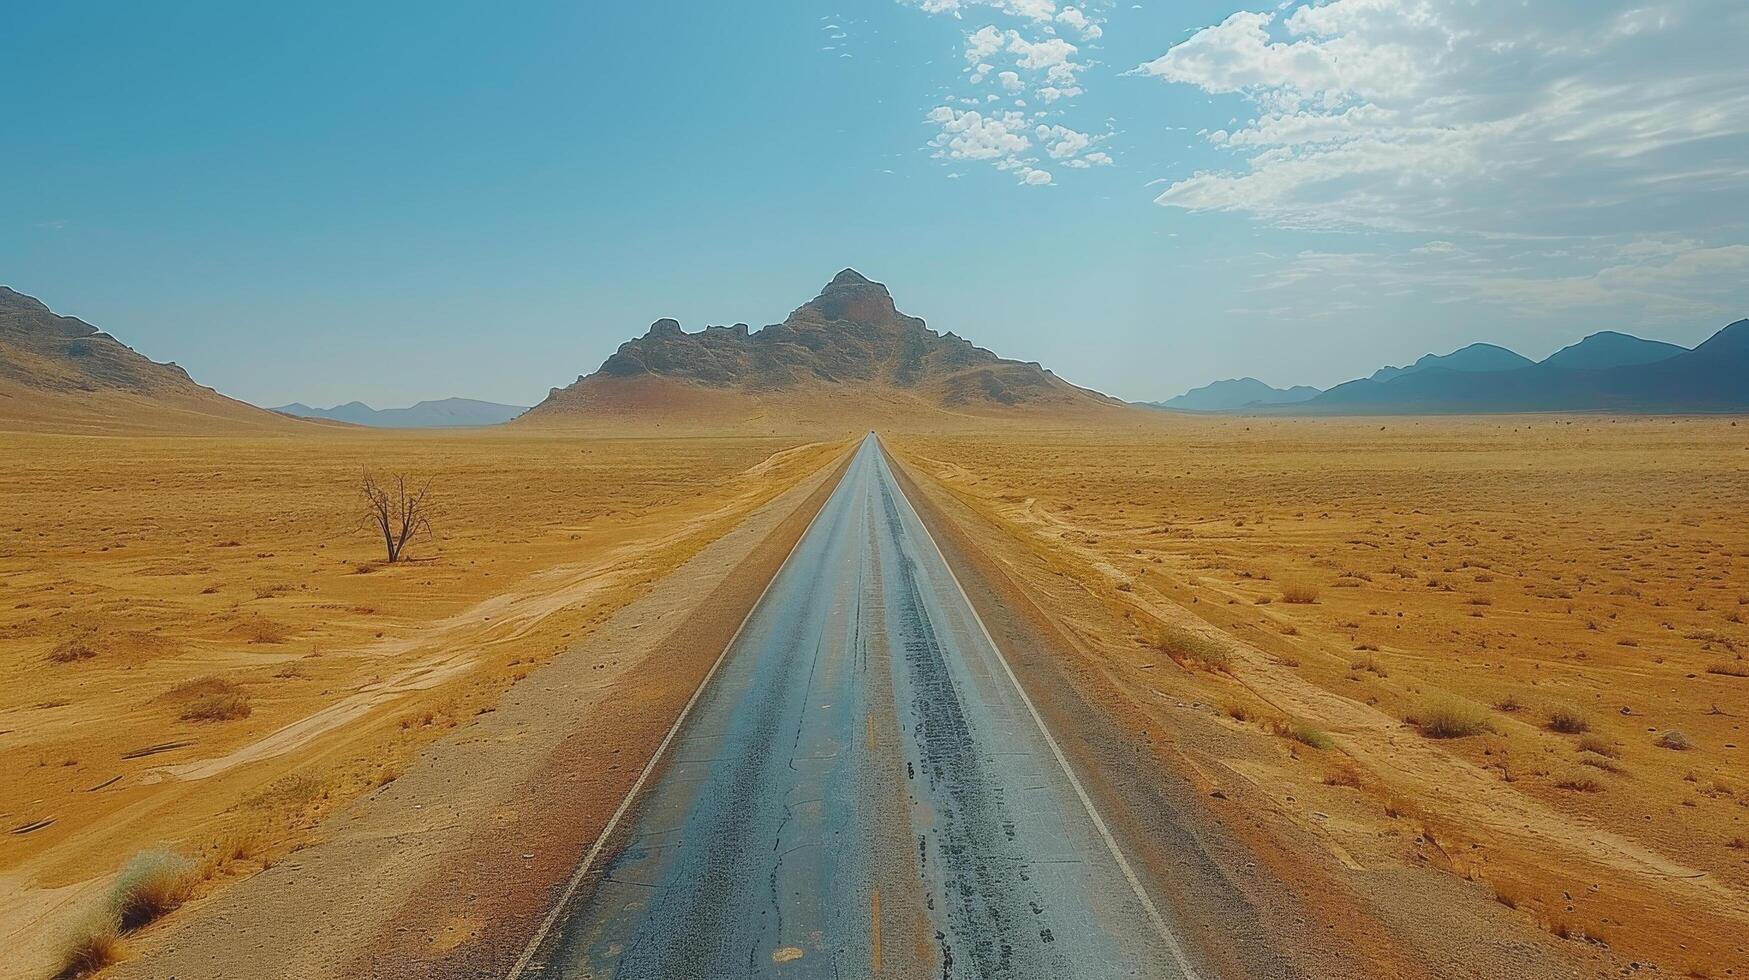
x=875, y=932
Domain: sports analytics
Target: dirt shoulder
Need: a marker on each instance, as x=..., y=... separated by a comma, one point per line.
x=1259, y=886
x=447, y=869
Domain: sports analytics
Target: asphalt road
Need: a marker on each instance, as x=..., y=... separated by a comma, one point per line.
x=860, y=789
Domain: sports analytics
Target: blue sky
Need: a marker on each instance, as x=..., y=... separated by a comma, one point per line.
x=400, y=201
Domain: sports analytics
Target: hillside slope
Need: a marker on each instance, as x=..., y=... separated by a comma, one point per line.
x=846, y=358
x=59, y=373
x=1609, y=348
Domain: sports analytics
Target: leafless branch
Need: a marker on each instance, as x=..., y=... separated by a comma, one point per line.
x=396, y=511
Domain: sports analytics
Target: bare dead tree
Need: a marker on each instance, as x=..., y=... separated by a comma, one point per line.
x=395, y=510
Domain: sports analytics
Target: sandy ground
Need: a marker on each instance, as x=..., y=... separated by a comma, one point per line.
x=1258, y=578
x=1238, y=620
x=143, y=577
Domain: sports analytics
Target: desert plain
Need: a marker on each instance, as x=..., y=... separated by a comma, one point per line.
x=204, y=653
x=1504, y=655
x=1511, y=649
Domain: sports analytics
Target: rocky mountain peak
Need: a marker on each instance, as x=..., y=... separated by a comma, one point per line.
x=13, y=301
x=850, y=337
x=851, y=297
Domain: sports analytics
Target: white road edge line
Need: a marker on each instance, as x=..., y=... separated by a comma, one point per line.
x=595, y=849
x=1123, y=863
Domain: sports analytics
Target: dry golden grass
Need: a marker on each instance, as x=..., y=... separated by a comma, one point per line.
x=89, y=948
x=217, y=707
x=1450, y=717
x=1568, y=720
x=1189, y=647
x=1674, y=739
x=151, y=886
x=1304, y=733
x=173, y=603
x=1593, y=566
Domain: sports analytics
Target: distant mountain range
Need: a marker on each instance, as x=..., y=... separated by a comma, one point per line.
x=1223, y=396
x=1610, y=349
x=1713, y=377
x=1606, y=372
x=443, y=412
x=1476, y=357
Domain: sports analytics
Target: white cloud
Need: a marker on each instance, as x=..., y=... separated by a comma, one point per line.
x=969, y=135
x=1238, y=55
x=1052, y=53
x=1033, y=65
x=1642, y=281
x=1560, y=117
x=1076, y=19
x=983, y=43
x=1061, y=142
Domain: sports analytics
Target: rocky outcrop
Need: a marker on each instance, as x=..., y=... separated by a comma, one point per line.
x=851, y=337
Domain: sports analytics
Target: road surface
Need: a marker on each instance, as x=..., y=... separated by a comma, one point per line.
x=859, y=789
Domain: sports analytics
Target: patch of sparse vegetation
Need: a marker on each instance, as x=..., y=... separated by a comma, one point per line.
x=1190, y=648
x=1299, y=593
x=151, y=885
x=1599, y=745
x=1450, y=717
x=94, y=944
x=1346, y=776
x=217, y=707
x=1509, y=704
x=200, y=686
x=210, y=698
x=1371, y=665
x=288, y=793
x=73, y=650
x=1579, y=784
x=1729, y=668
x=1307, y=735
x=1568, y=720
x=264, y=630
x=1674, y=740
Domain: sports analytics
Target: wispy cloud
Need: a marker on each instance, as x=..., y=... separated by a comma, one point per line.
x=1557, y=117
